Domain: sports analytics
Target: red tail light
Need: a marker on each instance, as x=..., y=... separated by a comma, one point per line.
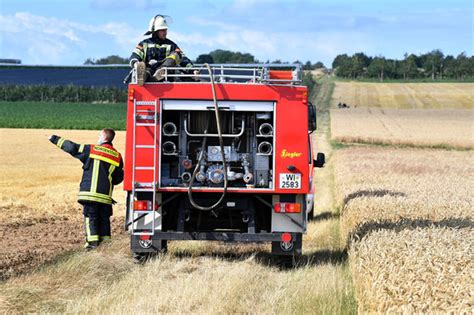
x=286, y=237
x=142, y=205
x=281, y=74
x=284, y=207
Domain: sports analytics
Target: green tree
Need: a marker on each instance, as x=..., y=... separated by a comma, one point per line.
x=342, y=64
x=360, y=62
x=432, y=63
x=204, y=58
x=318, y=65
x=463, y=66
x=409, y=66
x=113, y=59
x=376, y=68
x=226, y=56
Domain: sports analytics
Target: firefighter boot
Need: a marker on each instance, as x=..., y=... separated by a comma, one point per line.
x=141, y=73
x=91, y=246
x=171, y=61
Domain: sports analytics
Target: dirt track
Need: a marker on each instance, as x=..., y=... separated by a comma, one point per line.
x=25, y=246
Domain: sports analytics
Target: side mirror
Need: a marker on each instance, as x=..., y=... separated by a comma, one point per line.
x=320, y=160
x=311, y=117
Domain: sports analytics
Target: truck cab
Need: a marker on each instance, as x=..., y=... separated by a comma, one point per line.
x=222, y=155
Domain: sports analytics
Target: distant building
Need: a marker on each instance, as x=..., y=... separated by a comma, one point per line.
x=12, y=61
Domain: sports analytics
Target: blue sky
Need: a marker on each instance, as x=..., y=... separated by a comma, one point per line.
x=67, y=32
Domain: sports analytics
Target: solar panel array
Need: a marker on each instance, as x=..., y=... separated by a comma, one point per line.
x=83, y=76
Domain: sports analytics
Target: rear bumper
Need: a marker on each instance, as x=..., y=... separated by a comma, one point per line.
x=214, y=236
x=156, y=243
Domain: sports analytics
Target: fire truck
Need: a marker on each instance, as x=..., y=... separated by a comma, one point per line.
x=223, y=155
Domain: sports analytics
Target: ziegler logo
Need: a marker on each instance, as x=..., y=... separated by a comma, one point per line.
x=285, y=154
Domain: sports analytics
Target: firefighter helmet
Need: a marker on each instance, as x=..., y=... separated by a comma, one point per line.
x=158, y=22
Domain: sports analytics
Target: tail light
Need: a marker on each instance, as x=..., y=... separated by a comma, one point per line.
x=285, y=207
x=281, y=75
x=143, y=205
x=286, y=237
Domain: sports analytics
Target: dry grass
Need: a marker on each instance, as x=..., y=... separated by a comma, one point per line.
x=413, y=127
x=405, y=95
x=38, y=180
x=408, y=214
x=193, y=277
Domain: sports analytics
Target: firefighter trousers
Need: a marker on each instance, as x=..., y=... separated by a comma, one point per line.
x=97, y=222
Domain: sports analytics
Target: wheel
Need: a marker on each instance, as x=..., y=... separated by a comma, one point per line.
x=311, y=215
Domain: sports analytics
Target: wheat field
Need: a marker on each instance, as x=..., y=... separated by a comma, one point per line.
x=39, y=180
x=407, y=217
x=443, y=128
x=405, y=95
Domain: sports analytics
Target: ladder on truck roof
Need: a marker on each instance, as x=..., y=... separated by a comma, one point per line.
x=144, y=118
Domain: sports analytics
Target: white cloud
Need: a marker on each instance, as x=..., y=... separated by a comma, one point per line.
x=197, y=21
x=242, y=5
x=127, y=4
x=52, y=40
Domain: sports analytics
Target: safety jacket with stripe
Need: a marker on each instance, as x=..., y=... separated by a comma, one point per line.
x=159, y=50
x=102, y=169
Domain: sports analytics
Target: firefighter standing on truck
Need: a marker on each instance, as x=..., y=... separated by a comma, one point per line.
x=156, y=52
x=103, y=168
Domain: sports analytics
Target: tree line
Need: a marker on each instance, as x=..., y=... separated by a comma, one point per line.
x=433, y=65
x=215, y=56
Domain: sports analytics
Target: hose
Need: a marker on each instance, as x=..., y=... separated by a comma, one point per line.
x=201, y=155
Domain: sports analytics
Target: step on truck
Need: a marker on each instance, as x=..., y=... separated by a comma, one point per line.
x=223, y=154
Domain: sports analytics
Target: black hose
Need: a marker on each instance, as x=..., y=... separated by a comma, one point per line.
x=203, y=147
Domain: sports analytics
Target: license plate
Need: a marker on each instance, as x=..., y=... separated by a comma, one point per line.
x=290, y=181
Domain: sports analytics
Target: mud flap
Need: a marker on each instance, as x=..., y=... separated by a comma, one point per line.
x=148, y=245
x=291, y=248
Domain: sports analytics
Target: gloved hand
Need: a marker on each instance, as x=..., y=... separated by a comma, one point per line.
x=52, y=138
x=152, y=62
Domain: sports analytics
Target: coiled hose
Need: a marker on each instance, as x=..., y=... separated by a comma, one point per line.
x=201, y=155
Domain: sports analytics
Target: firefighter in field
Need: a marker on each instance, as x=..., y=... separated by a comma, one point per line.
x=103, y=168
x=156, y=52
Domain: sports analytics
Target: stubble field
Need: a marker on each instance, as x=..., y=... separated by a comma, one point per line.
x=437, y=128
x=405, y=95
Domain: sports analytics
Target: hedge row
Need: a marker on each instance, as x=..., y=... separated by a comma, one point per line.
x=64, y=93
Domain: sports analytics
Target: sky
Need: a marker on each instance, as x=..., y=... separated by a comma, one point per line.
x=67, y=32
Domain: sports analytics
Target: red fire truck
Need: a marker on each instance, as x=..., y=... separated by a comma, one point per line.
x=222, y=155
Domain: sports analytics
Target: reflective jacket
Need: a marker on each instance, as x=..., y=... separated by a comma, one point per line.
x=159, y=50
x=102, y=165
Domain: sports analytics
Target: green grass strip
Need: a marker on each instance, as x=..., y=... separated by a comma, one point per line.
x=49, y=115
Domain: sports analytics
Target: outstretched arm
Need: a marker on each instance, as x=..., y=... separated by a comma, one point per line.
x=79, y=151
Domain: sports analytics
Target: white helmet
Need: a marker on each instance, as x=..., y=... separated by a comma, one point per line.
x=158, y=22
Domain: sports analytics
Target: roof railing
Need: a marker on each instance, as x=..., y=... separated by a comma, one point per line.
x=275, y=74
